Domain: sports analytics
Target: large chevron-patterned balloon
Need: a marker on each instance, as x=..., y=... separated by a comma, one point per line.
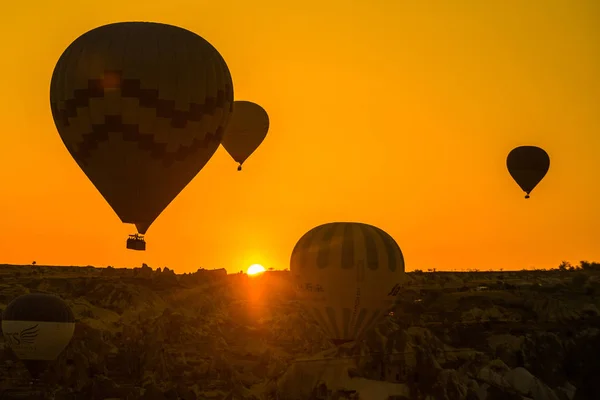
x=348, y=275
x=141, y=107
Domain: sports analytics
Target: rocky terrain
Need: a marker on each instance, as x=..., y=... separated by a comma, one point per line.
x=152, y=334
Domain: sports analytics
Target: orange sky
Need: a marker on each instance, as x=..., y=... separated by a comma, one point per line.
x=394, y=113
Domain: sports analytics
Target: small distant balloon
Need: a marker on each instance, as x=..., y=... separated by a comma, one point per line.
x=528, y=165
x=246, y=130
x=37, y=327
x=348, y=275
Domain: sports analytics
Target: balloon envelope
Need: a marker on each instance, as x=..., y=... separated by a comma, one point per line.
x=246, y=130
x=528, y=165
x=37, y=327
x=141, y=107
x=348, y=275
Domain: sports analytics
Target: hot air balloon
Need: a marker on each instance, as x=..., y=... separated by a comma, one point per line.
x=37, y=327
x=528, y=165
x=348, y=275
x=246, y=130
x=141, y=107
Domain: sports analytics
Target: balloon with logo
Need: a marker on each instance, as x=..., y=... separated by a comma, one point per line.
x=528, y=165
x=347, y=275
x=141, y=107
x=246, y=130
x=37, y=327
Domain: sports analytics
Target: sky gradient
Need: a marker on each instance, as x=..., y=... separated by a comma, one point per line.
x=398, y=114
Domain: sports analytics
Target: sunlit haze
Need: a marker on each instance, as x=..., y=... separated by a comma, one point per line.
x=398, y=114
x=255, y=269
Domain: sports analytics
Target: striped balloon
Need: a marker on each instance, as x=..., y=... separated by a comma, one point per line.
x=347, y=275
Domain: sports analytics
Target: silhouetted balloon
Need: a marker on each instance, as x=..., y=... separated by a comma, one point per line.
x=37, y=327
x=141, y=107
x=348, y=275
x=528, y=165
x=246, y=130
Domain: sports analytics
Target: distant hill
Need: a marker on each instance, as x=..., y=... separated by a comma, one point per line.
x=146, y=333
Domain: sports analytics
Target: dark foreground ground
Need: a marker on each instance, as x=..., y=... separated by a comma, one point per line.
x=144, y=334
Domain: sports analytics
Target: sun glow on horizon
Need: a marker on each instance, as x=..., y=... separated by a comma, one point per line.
x=255, y=269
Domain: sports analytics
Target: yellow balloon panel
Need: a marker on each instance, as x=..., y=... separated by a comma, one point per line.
x=348, y=275
x=246, y=130
x=37, y=340
x=141, y=107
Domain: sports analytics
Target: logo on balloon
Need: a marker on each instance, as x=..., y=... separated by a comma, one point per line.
x=395, y=290
x=25, y=337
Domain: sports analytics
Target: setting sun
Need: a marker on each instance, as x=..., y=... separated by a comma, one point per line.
x=255, y=269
